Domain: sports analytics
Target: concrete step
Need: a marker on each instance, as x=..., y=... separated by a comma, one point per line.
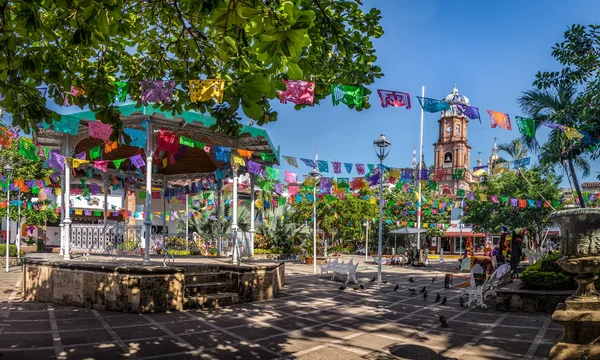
x=206, y=277
x=211, y=301
x=210, y=288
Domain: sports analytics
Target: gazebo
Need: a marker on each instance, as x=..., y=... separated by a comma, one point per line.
x=167, y=155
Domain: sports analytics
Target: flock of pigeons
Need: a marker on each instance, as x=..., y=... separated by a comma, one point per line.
x=413, y=292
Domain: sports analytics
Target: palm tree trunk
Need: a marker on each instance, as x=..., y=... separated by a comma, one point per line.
x=576, y=183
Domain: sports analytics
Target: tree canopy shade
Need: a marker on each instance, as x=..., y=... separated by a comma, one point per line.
x=488, y=216
x=251, y=44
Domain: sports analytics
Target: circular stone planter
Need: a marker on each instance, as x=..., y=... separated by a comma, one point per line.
x=580, y=314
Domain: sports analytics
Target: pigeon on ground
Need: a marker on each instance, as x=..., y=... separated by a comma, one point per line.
x=422, y=290
x=412, y=290
x=411, y=279
x=362, y=287
x=385, y=281
x=397, y=287
x=425, y=295
x=433, y=279
x=462, y=301
x=355, y=289
x=443, y=321
x=342, y=288
x=438, y=297
x=444, y=301
x=373, y=279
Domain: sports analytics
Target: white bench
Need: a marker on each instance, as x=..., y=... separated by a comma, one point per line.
x=339, y=269
x=325, y=269
x=478, y=294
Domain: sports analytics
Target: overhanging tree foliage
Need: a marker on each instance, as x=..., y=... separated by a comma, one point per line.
x=487, y=216
x=253, y=44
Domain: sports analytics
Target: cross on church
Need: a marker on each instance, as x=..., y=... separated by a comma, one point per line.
x=495, y=138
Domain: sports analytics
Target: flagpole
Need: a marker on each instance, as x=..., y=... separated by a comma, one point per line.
x=418, y=175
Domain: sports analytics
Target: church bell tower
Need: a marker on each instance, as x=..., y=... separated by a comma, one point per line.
x=452, y=151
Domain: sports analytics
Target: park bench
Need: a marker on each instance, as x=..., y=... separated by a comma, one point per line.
x=479, y=293
x=339, y=269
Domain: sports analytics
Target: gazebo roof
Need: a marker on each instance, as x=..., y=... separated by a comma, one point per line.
x=189, y=124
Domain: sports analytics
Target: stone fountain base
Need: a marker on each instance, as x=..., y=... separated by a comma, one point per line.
x=581, y=335
x=580, y=314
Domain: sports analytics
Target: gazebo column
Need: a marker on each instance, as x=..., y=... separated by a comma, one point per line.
x=219, y=192
x=252, y=214
x=234, y=223
x=62, y=211
x=67, y=218
x=147, y=220
x=164, y=227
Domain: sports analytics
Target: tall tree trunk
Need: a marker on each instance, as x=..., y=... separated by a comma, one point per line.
x=576, y=183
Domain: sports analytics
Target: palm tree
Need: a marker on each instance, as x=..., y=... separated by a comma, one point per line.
x=514, y=149
x=555, y=106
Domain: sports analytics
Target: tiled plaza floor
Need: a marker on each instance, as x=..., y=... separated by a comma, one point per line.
x=312, y=319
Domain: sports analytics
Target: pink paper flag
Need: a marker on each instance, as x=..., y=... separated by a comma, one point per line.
x=292, y=190
x=291, y=177
x=337, y=167
x=207, y=149
x=360, y=169
x=99, y=130
x=298, y=92
x=101, y=165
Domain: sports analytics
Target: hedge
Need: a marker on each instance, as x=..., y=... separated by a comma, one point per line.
x=12, y=250
x=547, y=275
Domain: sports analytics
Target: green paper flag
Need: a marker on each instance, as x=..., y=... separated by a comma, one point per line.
x=432, y=185
x=458, y=174
x=186, y=141
x=460, y=192
x=28, y=150
x=199, y=144
x=97, y=213
x=347, y=94
x=95, y=152
x=118, y=163
x=265, y=186
x=526, y=126
x=142, y=194
x=271, y=173
x=267, y=157
x=371, y=167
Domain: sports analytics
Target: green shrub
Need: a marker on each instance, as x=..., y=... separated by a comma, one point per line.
x=179, y=252
x=266, y=251
x=12, y=250
x=547, y=275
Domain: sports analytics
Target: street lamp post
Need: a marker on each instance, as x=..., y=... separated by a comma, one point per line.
x=367, y=240
x=7, y=172
x=460, y=223
x=382, y=150
x=315, y=176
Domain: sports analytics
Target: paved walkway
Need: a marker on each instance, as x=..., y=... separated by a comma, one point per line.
x=312, y=319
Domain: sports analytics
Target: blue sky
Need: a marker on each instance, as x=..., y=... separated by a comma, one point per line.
x=490, y=49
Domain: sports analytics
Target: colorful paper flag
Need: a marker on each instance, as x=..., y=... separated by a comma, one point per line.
x=206, y=90
x=499, y=119
x=157, y=91
x=298, y=92
x=433, y=105
x=347, y=94
x=394, y=98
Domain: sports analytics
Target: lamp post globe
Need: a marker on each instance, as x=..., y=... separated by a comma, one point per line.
x=382, y=149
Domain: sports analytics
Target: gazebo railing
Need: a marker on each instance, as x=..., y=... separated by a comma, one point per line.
x=109, y=239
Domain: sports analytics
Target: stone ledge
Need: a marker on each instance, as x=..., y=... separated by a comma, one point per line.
x=512, y=298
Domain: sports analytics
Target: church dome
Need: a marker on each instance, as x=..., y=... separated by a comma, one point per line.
x=455, y=98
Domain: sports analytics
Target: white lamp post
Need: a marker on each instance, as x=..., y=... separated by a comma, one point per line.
x=382, y=150
x=315, y=176
x=8, y=173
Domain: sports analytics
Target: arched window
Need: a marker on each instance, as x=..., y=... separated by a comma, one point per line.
x=447, y=157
